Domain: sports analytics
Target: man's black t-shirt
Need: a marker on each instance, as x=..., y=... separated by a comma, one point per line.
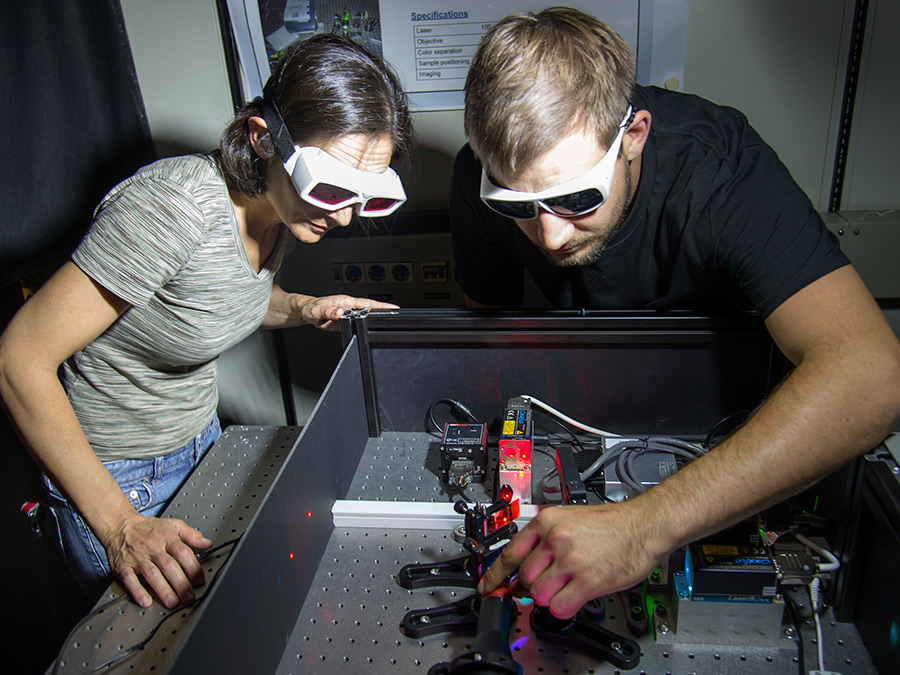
x=717, y=223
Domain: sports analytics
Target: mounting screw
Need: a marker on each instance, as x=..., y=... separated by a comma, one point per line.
x=662, y=628
x=789, y=632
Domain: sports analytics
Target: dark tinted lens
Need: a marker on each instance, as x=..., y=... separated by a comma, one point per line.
x=330, y=194
x=377, y=204
x=521, y=210
x=575, y=203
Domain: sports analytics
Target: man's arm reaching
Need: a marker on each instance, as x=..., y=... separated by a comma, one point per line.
x=841, y=400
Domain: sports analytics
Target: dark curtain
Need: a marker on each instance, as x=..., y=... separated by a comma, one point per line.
x=73, y=124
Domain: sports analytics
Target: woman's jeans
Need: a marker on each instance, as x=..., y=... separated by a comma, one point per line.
x=149, y=485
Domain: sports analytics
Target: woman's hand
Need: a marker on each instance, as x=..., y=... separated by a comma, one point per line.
x=162, y=551
x=325, y=311
x=294, y=309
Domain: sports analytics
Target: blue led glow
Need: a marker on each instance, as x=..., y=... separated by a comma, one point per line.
x=688, y=572
x=518, y=644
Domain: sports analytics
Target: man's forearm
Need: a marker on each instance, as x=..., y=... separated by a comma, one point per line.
x=810, y=426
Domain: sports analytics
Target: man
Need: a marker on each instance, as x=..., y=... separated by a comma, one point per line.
x=618, y=196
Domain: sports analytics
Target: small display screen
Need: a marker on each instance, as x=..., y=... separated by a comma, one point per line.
x=464, y=433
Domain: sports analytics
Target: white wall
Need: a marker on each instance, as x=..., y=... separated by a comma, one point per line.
x=178, y=55
x=873, y=169
x=781, y=64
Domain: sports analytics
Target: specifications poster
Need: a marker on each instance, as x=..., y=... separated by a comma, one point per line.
x=430, y=43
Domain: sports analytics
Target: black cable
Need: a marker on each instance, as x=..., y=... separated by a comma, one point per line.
x=140, y=645
x=602, y=497
x=545, y=488
x=461, y=488
x=722, y=422
x=562, y=426
x=456, y=405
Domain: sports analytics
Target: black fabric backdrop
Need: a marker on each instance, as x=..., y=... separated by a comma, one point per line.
x=73, y=124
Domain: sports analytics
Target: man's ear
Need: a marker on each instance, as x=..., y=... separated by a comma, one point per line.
x=260, y=139
x=636, y=135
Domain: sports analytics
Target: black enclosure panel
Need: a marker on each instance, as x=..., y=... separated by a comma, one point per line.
x=625, y=372
x=868, y=590
x=253, y=606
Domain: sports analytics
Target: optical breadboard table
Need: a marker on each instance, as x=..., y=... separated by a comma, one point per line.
x=351, y=614
x=220, y=499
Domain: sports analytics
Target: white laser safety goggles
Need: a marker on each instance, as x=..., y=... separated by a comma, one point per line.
x=326, y=182
x=573, y=198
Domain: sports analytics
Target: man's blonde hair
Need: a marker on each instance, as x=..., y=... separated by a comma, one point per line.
x=536, y=78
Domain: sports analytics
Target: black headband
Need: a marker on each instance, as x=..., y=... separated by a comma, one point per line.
x=277, y=128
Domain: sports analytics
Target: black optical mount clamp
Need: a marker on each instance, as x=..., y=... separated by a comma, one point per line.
x=584, y=633
x=492, y=616
x=484, y=527
x=490, y=653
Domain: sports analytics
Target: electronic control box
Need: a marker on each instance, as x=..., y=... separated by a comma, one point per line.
x=516, y=435
x=730, y=570
x=464, y=453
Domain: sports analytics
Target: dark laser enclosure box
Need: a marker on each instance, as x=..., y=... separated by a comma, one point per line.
x=731, y=570
x=464, y=450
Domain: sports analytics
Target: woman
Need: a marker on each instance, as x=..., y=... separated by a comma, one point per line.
x=109, y=372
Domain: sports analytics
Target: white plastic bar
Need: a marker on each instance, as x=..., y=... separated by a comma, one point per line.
x=408, y=515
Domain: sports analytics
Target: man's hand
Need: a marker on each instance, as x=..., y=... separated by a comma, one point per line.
x=571, y=554
x=841, y=400
x=161, y=550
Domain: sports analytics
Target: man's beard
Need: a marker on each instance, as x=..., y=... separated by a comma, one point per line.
x=597, y=241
